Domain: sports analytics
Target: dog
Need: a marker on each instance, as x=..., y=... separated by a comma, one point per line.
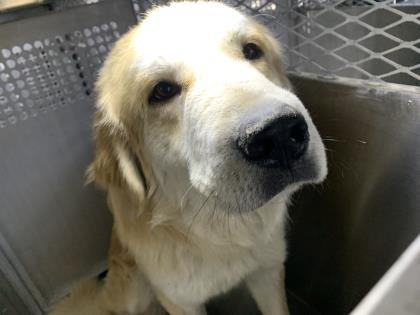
x=200, y=143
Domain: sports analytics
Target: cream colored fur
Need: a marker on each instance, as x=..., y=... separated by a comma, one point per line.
x=178, y=238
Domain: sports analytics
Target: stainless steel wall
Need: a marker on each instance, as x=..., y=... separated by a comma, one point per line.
x=346, y=233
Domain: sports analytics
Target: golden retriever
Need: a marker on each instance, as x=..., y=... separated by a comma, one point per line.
x=200, y=142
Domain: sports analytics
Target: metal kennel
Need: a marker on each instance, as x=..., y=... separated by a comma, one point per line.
x=354, y=63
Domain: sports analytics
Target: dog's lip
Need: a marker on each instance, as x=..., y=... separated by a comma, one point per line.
x=272, y=182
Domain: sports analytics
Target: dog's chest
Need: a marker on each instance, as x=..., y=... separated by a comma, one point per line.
x=192, y=275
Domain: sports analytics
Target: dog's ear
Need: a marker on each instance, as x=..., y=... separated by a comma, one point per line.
x=279, y=68
x=116, y=162
x=119, y=160
x=274, y=68
x=276, y=57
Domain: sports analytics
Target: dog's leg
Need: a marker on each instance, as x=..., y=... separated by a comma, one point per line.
x=267, y=288
x=125, y=289
x=175, y=309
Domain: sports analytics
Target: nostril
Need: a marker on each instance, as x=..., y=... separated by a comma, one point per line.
x=299, y=132
x=259, y=148
x=298, y=138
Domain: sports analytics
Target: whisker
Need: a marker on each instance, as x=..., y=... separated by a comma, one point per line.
x=342, y=140
x=197, y=213
x=240, y=210
x=185, y=195
x=213, y=212
x=333, y=140
x=228, y=223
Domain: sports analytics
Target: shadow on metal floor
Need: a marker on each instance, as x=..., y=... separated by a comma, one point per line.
x=240, y=302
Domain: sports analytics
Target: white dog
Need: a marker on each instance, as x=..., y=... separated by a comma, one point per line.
x=200, y=143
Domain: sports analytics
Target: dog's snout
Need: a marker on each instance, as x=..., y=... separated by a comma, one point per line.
x=278, y=143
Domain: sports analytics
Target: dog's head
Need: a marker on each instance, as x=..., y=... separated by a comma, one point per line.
x=196, y=95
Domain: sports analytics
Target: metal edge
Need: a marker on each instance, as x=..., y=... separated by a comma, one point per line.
x=401, y=88
x=396, y=276
x=15, y=273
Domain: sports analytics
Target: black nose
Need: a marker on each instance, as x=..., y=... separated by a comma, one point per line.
x=279, y=143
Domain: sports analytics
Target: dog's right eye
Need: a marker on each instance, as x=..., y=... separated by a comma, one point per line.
x=252, y=51
x=164, y=91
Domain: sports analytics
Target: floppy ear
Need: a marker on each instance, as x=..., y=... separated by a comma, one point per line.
x=277, y=60
x=119, y=160
x=276, y=56
x=116, y=164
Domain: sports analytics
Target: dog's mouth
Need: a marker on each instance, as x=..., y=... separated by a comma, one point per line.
x=275, y=181
x=247, y=187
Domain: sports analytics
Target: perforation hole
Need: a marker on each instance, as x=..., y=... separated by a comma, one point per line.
x=16, y=50
x=6, y=53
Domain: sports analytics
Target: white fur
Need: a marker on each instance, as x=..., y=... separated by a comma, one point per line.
x=199, y=235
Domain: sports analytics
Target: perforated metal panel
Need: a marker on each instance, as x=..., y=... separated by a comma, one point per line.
x=54, y=230
x=362, y=39
x=43, y=75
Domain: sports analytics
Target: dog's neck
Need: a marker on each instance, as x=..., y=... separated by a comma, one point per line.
x=181, y=206
x=177, y=205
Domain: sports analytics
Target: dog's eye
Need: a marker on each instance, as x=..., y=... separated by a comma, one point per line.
x=163, y=91
x=252, y=51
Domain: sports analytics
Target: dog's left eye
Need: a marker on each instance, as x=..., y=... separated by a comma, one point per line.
x=252, y=51
x=164, y=91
